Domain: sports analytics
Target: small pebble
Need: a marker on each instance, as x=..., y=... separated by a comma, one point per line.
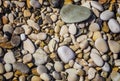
x=11, y=17
x=35, y=4
x=54, y=17
x=65, y=54
x=115, y=76
x=94, y=27
x=106, y=67
x=15, y=40
x=36, y=78
x=114, y=26
x=41, y=36
x=96, y=5
x=56, y=75
x=8, y=67
x=2, y=70
x=72, y=29
x=45, y=77
x=91, y=73
x=22, y=36
x=27, y=13
x=8, y=75
x=41, y=69
x=58, y=66
x=52, y=45
x=27, y=58
x=72, y=77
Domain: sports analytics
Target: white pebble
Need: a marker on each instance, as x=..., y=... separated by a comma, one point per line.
x=106, y=67
x=23, y=37
x=58, y=66
x=8, y=67
x=97, y=5
x=91, y=73
x=45, y=77
x=41, y=69
x=72, y=29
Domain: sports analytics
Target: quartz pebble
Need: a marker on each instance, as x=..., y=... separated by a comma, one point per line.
x=114, y=46
x=94, y=27
x=72, y=29
x=67, y=12
x=8, y=67
x=101, y=45
x=96, y=58
x=40, y=56
x=106, y=67
x=72, y=77
x=45, y=77
x=58, y=66
x=21, y=67
x=41, y=36
x=28, y=46
x=96, y=5
x=23, y=37
x=8, y=75
x=56, y=75
x=27, y=58
x=106, y=15
x=65, y=54
x=91, y=73
x=41, y=69
x=114, y=26
x=9, y=57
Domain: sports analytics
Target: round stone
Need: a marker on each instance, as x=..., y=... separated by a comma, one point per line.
x=41, y=69
x=36, y=78
x=58, y=66
x=106, y=67
x=94, y=27
x=41, y=36
x=45, y=77
x=101, y=45
x=72, y=29
x=8, y=67
x=97, y=5
x=27, y=58
x=15, y=41
x=114, y=26
x=35, y=3
x=80, y=13
x=65, y=54
x=72, y=77
x=106, y=15
x=91, y=73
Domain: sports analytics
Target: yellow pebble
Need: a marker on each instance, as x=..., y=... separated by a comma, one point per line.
x=30, y=65
x=96, y=35
x=67, y=66
x=105, y=27
x=68, y=2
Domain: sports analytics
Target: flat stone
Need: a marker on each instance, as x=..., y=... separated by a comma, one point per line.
x=114, y=46
x=2, y=70
x=96, y=58
x=8, y=75
x=91, y=73
x=40, y=57
x=72, y=29
x=65, y=54
x=97, y=5
x=106, y=15
x=114, y=26
x=28, y=46
x=21, y=67
x=80, y=13
x=9, y=57
x=101, y=45
x=41, y=36
x=41, y=69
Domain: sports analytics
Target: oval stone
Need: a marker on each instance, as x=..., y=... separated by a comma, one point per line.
x=80, y=13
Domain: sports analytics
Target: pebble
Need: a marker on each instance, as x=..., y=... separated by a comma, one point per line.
x=117, y=62
x=94, y=27
x=56, y=75
x=96, y=35
x=36, y=78
x=18, y=30
x=106, y=67
x=35, y=4
x=52, y=45
x=7, y=28
x=27, y=29
x=72, y=29
x=84, y=44
x=56, y=3
x=28, y=46
x=72, y=77
x=41, y=69
x=71, y=71
x=65, y=54
x=91, y=73
x=4, y=20
x=54, y=17
x=115, y=76
x=106, y=15
x=27, y=58
x=101, y=45
x=41, y=36
x=58, y=66
x=33, y=24
x=67, y=12
x=21, y=67
x=63, y=30
x=11, y=17
x=8, y=67
x=96, y=58
x=96, y=5
x=9, y=57
x=45, y=77
x=40, y=57
x=114, y=46
x=22, y=78
x=22, y=36
x=27, y=13
x=15, y=40
x=81, y=38
x=77, y=66
x=8, y=75
x=2, y=70
x=114, y=26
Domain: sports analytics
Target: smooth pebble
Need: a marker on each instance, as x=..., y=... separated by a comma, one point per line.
x=72, y=29
x=41, y=69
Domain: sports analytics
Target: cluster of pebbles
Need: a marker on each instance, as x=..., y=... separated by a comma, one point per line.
x=52, y=40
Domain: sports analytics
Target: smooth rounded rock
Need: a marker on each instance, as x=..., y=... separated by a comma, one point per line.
x=106, y=67
x=65, y=54
x=114, y=46
x=45, y=77
x=2, y=70
x=97, y=5
x=114, y=26
x=8, y=67
x=91, y=73
x=41, y=36
x=8, y=28
x=72, y=77
x=80, y=13
x=58, y=66
x=36, y=78
x=27, y=58
x=41, y=69
x=35, y=3
x=15, y=40
x=8, y=75
x=94, y=27
x=106, y=15
x=101, y=45
x=72, y=29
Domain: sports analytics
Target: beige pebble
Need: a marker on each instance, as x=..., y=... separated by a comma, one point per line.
x=27, y=13
x=36, y=78
x=45, y=77
x=58, y=66
x=97, y=35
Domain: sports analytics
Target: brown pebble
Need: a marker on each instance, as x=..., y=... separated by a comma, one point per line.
x=4, y=20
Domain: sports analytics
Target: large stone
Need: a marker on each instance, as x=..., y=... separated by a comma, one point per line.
x=80, y=13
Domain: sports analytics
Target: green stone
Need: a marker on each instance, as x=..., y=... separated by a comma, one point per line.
x=74, y=13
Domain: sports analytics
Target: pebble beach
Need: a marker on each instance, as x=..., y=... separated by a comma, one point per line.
x=59, y=40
